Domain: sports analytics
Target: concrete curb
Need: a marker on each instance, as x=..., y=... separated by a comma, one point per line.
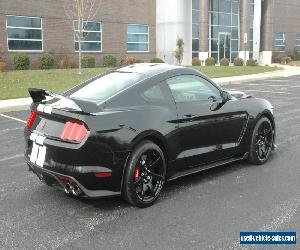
x=24, y=103
x=241, y=79
x=15, y=104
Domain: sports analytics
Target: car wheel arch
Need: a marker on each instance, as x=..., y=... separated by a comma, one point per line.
x=153, y=136
x=267, y=114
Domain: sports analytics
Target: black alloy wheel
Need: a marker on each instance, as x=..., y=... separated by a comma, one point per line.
x=262, y=142
x=145, y=175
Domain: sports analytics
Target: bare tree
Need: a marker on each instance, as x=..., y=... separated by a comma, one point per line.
x=83, y=11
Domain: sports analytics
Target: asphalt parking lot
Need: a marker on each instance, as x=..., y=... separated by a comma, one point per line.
x=202, y=211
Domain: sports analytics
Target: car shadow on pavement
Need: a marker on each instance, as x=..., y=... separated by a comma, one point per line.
x=106, y=203
x=214, y=173
x=172, y=188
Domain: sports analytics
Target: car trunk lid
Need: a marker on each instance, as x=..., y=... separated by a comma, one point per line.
x=57, y=113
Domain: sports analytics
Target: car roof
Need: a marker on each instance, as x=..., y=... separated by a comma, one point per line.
x=149, y=69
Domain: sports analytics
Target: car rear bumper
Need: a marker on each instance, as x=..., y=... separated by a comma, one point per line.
x=93, y=165
x=60, y=180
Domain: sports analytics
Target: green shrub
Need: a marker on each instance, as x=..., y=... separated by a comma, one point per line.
x=109, y=61
x=139, y=61
x=71, y=63
x=285, y=60
x=210, y=61
x=276, y=58
x=62, y=62
x=66, y=62
x=251, y=62
x=21, y=61
x=288, y=59
x=156, y=60
x=3, y=64
x=238, y=61
x=196, y=61
x=296, y=55
x=88, y=62
x=127, y=60
x=224, y=62
x=46, y=61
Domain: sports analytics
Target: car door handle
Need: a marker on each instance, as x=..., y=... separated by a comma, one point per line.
x=189, y=116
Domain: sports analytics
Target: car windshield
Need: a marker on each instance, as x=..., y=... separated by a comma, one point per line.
x=106, y=86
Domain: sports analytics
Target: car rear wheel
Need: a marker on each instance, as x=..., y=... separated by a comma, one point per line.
x=144, y=175
x=261, y=142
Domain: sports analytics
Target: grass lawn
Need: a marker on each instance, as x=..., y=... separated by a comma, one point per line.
x=216, y=72
x=14, y=84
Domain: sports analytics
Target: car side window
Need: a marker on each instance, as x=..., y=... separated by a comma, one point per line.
x=191, y=88
x=154, y=94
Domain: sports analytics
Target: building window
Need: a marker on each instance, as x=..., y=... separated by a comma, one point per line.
x=24, y=33
x=298, y=42
x=91, y=36
x=224, y=29
x=280, y=42
x=137, y=38
x=195, y=28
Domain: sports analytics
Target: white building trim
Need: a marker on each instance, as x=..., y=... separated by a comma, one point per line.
x=173, y=20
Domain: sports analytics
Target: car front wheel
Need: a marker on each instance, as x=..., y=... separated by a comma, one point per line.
x=144, y=175
x=261, y=142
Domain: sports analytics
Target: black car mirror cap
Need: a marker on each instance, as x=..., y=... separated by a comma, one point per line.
x=226, y=96
x=218, y=104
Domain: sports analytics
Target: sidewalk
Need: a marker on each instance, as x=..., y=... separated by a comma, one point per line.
x=15, y=104
x=24, y=103
x=287, y=72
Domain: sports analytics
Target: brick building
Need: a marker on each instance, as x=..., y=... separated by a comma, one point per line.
x=149, y=28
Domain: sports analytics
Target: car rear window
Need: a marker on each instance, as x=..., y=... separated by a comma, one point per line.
x=106, y=86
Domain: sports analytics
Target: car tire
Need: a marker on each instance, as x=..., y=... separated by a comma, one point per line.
x=144, y=175
x=261, y=142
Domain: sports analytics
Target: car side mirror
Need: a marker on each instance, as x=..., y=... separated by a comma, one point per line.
x=218, y=104
x=226, y=96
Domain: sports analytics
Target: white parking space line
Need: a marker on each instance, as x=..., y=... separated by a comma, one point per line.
x=267, y=91
x=276, y=85
x=277, y=80
x=12, y=157
x=13, y=118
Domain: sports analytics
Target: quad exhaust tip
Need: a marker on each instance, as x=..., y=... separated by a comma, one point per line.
x=76, y=191
x=72, y=188
x=68, y=188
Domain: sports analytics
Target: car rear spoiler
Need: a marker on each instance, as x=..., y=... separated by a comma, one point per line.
x=39, y=95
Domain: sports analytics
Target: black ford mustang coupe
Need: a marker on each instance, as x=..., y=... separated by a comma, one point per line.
x=130, y=130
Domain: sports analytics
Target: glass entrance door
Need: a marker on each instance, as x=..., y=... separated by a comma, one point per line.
x=224, y=46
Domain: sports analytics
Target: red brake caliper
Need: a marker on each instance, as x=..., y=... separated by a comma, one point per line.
x=136, y=174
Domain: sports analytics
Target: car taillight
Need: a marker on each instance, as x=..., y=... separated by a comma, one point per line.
x=74, y=131
x=31, y=119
